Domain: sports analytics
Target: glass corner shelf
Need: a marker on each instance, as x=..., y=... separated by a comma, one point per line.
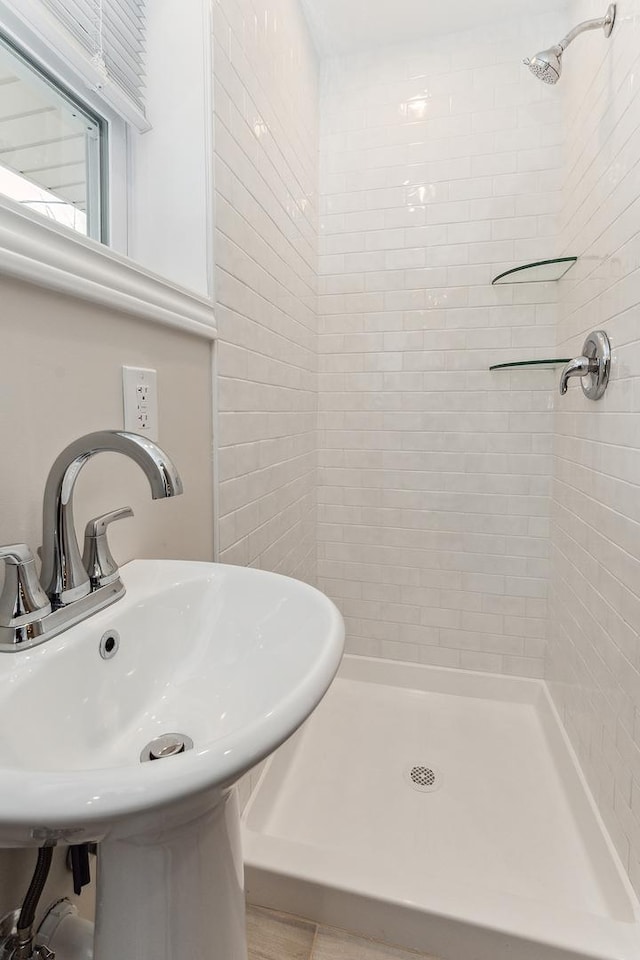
x=540, y=364
x=540, y=272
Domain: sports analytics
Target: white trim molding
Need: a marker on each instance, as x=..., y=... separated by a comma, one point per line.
x=49, y=255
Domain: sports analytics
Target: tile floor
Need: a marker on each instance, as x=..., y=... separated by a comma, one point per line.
x=276, y=936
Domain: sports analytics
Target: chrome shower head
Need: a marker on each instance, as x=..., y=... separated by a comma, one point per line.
x=547, y=65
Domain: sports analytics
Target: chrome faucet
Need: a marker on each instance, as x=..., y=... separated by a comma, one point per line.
x=64, y=576
x=73, y=587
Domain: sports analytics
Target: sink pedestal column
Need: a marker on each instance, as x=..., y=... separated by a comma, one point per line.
x=175, y=893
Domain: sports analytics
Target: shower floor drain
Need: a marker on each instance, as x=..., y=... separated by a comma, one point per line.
x=423, y=777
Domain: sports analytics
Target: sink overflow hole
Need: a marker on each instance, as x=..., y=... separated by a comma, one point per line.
x=109, y=643
x=168, y=745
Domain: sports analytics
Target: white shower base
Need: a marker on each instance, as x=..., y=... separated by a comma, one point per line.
x=507, y=859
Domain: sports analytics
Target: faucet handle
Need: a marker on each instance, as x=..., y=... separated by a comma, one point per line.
x=16, y=553
x=97, y=557
x=23, y=602
x=98, y=526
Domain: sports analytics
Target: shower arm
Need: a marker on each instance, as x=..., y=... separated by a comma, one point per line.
x=602, y=23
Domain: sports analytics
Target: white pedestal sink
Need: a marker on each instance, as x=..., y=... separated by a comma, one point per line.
x=234, y=659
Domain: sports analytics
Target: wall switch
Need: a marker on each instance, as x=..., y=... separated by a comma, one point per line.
x=140, y=389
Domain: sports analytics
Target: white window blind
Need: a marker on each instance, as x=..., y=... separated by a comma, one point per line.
x=112, y=34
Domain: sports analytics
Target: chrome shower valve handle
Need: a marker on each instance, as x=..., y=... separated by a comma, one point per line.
x=579, y=367
x=594, y=367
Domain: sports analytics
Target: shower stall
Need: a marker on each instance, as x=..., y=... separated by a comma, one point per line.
x=470, y=787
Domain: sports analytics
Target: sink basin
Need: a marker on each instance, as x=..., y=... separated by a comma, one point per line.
x=233, y=658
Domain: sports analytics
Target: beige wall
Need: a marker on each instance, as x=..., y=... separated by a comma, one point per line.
x=60, y=376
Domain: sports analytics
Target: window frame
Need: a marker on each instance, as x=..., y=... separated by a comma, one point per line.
x=97, y=158
x=56, y=257
x=62, y=72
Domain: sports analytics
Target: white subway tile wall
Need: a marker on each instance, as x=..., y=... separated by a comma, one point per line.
x=440, y=166
x=593, y=666
x=451, y=500
x=266, y=156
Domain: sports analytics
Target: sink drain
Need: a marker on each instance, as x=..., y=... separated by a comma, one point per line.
x=169, y=745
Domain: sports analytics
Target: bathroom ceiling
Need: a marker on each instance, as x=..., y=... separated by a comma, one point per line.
x=343, y=26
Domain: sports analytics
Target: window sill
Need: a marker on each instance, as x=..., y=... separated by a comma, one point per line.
x=51, y=256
